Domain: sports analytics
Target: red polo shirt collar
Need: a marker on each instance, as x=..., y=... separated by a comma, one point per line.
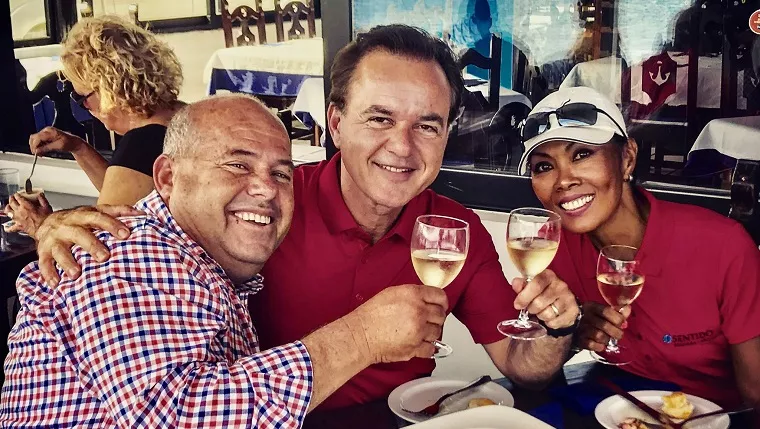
x=338, y=218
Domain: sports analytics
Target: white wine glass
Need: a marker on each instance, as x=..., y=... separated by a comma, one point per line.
x=439, y=249
x=532, y=240
x=619, y=278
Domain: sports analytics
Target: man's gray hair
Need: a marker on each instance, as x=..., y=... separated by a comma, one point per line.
x=183, y=133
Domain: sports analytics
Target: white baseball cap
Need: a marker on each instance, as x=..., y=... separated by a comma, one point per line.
x=608, y=122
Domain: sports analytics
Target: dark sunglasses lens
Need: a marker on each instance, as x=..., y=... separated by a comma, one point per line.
x=580, y=112
x=534, y=125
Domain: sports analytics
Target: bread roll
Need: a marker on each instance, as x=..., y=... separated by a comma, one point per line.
x=677, y=405
x=480, y=402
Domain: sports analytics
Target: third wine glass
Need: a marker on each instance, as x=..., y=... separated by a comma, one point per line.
x=619, y=278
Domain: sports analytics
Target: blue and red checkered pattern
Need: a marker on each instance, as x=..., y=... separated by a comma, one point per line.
x=156, y=337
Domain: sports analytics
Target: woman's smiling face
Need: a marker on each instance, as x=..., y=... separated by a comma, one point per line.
x=583, y=183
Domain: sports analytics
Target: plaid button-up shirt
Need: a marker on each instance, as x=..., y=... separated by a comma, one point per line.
x=157, y=336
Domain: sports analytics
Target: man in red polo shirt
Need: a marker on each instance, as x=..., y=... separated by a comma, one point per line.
x=395, y=91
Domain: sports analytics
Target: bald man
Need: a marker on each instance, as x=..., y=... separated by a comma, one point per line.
x=159, y=335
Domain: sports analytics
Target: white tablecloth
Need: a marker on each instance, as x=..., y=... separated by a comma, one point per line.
x=311, y=100
x=604, y=76
x=735, y=137
x=304, y=153
x=299, y=57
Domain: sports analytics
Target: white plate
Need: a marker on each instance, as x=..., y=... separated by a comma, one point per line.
x=417, y=394
x=491, y=417
x=613, y=410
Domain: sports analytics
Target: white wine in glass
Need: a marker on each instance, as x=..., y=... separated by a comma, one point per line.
x=532, y=241
x=439, y=250
x=619, y=278
x=437, y=267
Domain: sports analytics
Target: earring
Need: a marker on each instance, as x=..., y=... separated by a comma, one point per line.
x=628, y=178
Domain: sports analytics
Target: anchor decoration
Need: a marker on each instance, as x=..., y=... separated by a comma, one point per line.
x=658, y=81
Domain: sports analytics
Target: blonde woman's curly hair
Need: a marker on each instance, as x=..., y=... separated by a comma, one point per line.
x=127, y=65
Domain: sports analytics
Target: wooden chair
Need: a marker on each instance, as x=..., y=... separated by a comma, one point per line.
x=296, y=10
x=246, y=15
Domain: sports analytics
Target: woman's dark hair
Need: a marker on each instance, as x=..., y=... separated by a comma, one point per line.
x=397, y=39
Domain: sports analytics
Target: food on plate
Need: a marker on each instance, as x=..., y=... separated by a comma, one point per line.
x=632, y=423
x=480, y=402
x=677, y=405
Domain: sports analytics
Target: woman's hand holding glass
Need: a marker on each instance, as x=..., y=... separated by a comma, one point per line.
x=601, y=323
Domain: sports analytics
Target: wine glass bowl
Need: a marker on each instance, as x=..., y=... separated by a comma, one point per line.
x=532, y=240
x=439, y=250
x=620, y=282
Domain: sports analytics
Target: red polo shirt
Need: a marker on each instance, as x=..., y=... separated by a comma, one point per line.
x=701, y=294
x=327, y=266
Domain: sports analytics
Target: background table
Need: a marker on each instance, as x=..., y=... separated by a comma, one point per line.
x=277, y=69
x=738, y=138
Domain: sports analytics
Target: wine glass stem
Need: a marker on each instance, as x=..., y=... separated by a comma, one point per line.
x=612, y=345
x=523, y=317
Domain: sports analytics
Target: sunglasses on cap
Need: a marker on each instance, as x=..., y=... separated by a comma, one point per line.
x=79, y=99
x=570, y=114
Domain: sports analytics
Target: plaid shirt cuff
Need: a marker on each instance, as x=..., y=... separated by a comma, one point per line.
x=285, y=375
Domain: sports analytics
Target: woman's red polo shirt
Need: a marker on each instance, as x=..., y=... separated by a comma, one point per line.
x=701, y=294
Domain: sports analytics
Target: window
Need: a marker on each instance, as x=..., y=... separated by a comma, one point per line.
x=667, y=64
x=29, y=20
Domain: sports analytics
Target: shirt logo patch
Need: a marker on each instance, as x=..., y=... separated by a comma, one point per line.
x=680, y=340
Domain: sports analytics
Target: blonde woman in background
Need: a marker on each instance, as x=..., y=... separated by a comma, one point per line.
x=129, y=80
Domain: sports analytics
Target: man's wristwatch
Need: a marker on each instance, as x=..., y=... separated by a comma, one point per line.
x=568, y=330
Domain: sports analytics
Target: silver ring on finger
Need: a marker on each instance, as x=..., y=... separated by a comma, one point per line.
x=555, y=309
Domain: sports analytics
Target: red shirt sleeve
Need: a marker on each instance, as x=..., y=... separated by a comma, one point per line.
x=739, y=297
x=488, y=298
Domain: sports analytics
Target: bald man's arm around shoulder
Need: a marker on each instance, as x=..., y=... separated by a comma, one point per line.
x=156, y=338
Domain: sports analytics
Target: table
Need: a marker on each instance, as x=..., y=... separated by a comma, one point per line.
x=604, y=75
x=377, y=415
x=738, y=138
x=303, y=154
x=506, y=95
x=276, y=69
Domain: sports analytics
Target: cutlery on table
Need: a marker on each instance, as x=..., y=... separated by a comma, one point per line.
x=655, y=414
x=28, y=184
x=433, y=409
x=699, y=416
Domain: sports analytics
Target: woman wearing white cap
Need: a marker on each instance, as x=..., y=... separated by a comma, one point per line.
x=697, y=321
